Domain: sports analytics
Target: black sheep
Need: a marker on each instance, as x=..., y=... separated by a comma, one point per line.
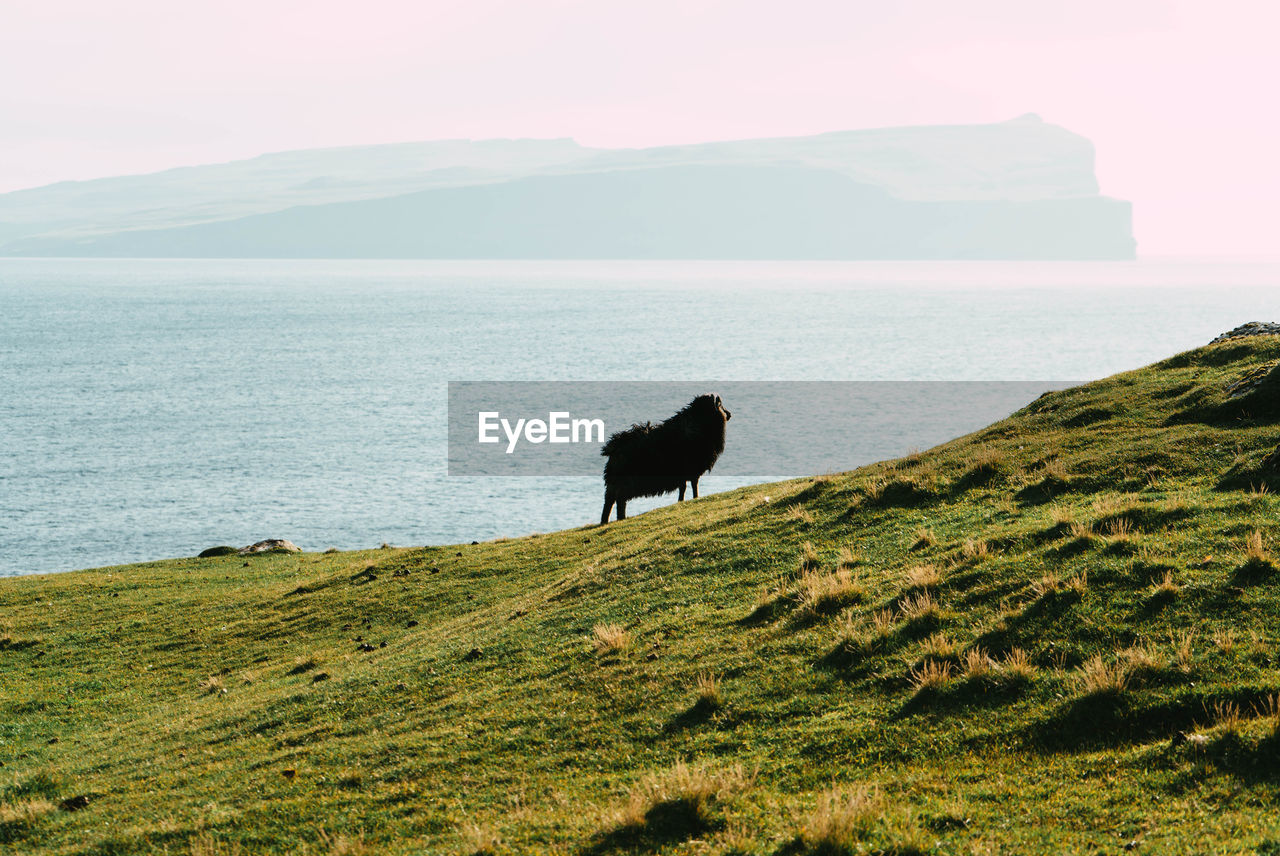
x=650, y=460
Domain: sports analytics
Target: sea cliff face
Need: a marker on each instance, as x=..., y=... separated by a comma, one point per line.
x=1020, y=190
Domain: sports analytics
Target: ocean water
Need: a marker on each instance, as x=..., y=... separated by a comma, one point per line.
x=150, y=409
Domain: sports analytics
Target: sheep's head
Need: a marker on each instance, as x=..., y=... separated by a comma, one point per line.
x=711, y=403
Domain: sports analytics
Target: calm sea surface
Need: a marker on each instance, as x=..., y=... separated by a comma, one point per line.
x=151, y=409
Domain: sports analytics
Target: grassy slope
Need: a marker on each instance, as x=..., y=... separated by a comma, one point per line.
x=495, y=716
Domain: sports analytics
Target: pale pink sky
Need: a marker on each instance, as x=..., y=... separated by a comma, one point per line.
x=1179, y=96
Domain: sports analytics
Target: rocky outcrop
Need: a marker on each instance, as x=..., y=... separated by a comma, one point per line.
x=1253, y=328
x=217, y=551
x=271, y=545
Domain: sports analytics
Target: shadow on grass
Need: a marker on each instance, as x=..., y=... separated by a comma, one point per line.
x=980, y=476
x=799, y=847
x=824, y=609
x=1074, y=547
x=664, y=824
x=1016, y=631
x=1253, y=572
x=1252, y=761
x=851, y=662
x=767, y=612
x=699, y=713
x=1056, y=532
x=1088, y=416
x=807, y=494
x=1156, y=602
x=368, y=575
x=964, y=695
x=1107, y=721
x=905, y=493
x=1043, y=491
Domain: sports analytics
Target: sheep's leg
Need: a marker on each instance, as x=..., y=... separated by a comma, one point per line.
x=680, y=498
x=622, y=509
x=608, y=507
x=694, y=482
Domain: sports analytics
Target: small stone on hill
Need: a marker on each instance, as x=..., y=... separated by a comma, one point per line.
x=74, y=803
x=1253, y=328
x=271, y=545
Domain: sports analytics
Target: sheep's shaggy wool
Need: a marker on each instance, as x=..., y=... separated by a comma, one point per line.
x=650, y=460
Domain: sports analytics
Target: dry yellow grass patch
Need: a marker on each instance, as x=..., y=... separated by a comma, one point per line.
x=1227, y=716
x=977, y=664
x=823, y=593
x=920, y=607
x=347, y=845
x=779, y=588
x=854, y=634
x=924, y=537
x=205, y=844
x=882, y=622
x=1097, y=678
x=611, y=639
x=1081, y=529
x=1183, y=649
x=1046, y=585
x=809, y=559
x=1119, y=529
x=1259, y=646
x=1271, y=710
x=480, y=840
x=736, y=839
x=931, y=675
x=939, y=646
x=708, y=689
x=922, y=576
x=24, y=811
x=799, y=514
x=1255, y=550
x=1166, y=587
x=842, y=819
x=1224, y=640
x=1006, y=505
x=1018, y=666
x=975, y=549
x=986, y=458
x=1061, y=515
x=1108, y=504
x=212, y=685
x=692, y=788
x=846, y=559
x=1054, y=469
x=1144, y=659
x=851, y=635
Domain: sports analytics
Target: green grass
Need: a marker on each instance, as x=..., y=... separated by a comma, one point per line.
x=739, y=674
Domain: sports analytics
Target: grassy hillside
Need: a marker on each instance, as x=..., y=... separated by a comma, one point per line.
x=1055, y=635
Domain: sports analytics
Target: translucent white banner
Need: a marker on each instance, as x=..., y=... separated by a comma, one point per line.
x=776, y=429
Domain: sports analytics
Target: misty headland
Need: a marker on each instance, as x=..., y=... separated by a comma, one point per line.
x=1021, y=189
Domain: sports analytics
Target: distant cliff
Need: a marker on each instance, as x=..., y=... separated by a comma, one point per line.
x=1016, y=190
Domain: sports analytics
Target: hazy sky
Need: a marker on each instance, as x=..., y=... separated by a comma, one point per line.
x=1179, y=96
